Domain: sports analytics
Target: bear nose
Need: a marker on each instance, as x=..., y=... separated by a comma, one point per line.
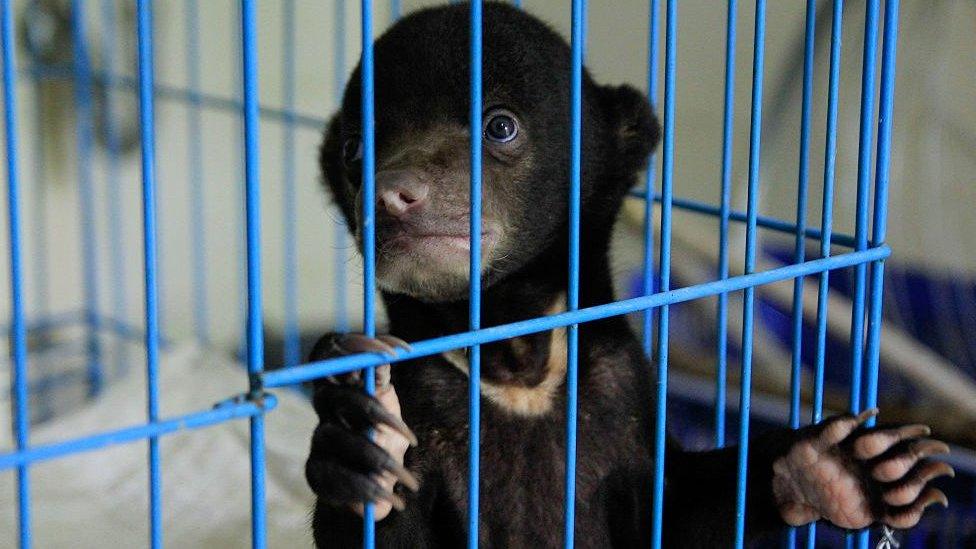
x=399, y=192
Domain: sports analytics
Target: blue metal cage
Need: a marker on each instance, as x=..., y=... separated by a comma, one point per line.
x=864, y=251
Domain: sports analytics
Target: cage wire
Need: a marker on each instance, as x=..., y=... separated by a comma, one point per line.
x=229, y=303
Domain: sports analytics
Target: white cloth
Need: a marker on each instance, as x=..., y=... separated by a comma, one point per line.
x=86, y=500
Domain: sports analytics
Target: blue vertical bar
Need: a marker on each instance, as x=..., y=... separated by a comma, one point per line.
x=722, y=324
x=252, y=190
x=115, y=207
x=885, y=119
x=147, y=129
x=474, y=291
x=395, y=10
x=201, y=321
x=292, y=344
x=879, y=226
x=578, y=39
x=748, y=309
x=339, y=227
x=369, y=228
x=826, y=221
x=648, y=265
x=861, y=214
x=240, y=217
x=667, y=182
x=18, y=323
x=799, y=251
x=85, y=123
x=863, y=190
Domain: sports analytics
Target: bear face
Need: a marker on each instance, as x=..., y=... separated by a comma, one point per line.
x=422, y=141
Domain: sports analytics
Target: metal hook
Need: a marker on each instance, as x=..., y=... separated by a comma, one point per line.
x=888, y=539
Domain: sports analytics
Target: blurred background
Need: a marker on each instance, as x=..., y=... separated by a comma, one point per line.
x=81, y=210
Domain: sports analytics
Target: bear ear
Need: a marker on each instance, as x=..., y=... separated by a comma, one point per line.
x=634, y=127
x=330, y=162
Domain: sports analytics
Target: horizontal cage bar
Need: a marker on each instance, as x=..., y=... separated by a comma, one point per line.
x=300, y=374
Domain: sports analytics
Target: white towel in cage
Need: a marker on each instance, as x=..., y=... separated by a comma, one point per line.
x=89, y=499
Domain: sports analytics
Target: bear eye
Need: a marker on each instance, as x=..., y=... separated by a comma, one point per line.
x=501, y=127
x=352, y=151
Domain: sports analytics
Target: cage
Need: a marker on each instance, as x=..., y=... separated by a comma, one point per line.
x=87, y=87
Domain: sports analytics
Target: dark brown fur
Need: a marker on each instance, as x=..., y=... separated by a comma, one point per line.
x=422, y=139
